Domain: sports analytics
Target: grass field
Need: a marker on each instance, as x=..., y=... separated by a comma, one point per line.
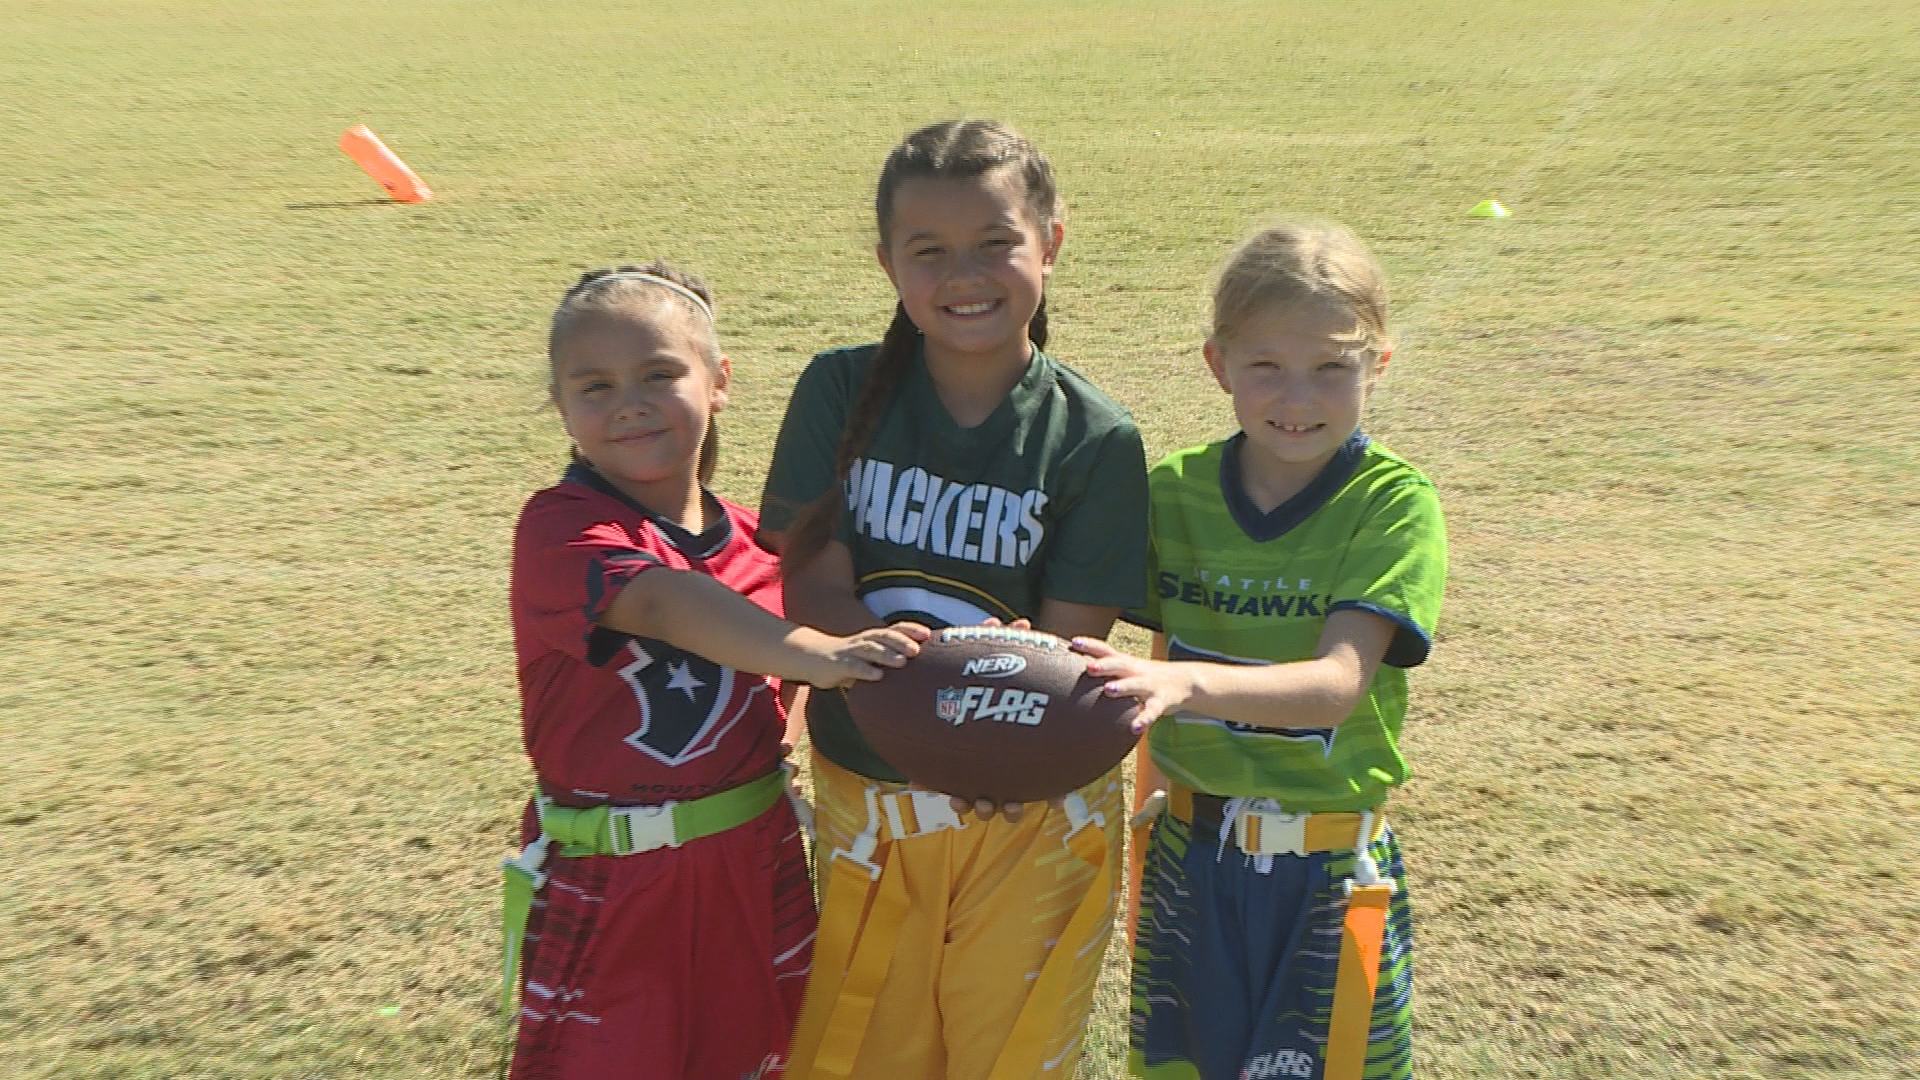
x=263, y=436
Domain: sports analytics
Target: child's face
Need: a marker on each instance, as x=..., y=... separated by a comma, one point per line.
x=636, y=392
x=1298, y=380
x=969, y=262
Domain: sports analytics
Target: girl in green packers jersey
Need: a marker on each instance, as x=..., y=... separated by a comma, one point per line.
x=955, y=474
x=1296, y=574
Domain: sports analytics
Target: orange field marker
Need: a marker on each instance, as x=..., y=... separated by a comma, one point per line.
x=368, y=152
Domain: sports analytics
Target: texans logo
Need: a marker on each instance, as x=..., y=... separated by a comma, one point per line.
x=687, y=703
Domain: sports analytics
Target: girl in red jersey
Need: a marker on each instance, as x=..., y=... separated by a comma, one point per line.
x=661, y=911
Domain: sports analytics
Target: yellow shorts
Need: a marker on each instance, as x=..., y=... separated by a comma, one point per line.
x=987, y=904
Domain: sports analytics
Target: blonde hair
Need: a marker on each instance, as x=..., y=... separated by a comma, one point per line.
x=1298, y=262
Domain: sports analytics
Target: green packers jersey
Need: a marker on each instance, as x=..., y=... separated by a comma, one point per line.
x=948, y=525
x=1234, y=585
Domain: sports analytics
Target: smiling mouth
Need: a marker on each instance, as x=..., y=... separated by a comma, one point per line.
x=967, y=310
x=639, y=436
x=1295, y=429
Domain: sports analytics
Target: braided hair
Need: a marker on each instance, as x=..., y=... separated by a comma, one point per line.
x=951, y=150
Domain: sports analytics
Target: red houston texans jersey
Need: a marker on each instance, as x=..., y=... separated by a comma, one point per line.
x=607, y=717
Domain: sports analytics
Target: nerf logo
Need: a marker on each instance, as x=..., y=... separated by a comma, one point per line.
x=994, y=666
x=957, y=705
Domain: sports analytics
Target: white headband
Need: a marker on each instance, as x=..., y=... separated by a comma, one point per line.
x=652, y=279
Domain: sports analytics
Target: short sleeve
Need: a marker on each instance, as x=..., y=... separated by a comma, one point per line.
x=1396, y=567
x=570, y=560
x=803, y=453
x=1099, y=551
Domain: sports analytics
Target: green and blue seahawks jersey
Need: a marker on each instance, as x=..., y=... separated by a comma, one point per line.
x=1231, y=584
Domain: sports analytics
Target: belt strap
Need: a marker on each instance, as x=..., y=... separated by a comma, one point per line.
x=833, y=1022
x=630, y=830
x=613, y=830
x=1025, y=1047
x=864, y=905
x=1261, y=832
x=852, y=954
x=1357, y=978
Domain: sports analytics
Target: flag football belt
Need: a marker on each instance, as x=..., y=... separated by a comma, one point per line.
x=1272, y=832
x=615, y=830
x=852, y=953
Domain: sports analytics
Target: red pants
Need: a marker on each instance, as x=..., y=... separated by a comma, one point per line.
x=679, y=964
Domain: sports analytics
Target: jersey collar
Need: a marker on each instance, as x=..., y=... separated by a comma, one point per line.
x=1261, y=527
x=1000, y=425
x=702, y=545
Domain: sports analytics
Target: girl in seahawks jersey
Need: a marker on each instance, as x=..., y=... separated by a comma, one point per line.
x=661, y=910
x=1296, y=574
x=955, y=474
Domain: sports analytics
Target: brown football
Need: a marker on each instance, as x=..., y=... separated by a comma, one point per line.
x=991, y=713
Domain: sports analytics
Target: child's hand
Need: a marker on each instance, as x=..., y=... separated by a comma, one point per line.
x=863, y=657
x=984, y=809
x=1159, y=686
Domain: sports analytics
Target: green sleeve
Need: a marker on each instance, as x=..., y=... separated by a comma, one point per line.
x=1396, y=566
x=803, y=453
x=1098, y=553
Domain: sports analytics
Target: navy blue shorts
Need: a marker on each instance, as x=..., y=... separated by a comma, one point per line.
x=1234, y=965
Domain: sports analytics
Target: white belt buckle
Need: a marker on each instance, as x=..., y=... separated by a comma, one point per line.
x=1152, y=808
x=1079, y=816
x=1271, y=832
x=932, y=813
x=860, y=854
x=530, y=860
x=651, y=827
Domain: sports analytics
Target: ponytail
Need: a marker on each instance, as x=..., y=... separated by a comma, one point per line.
x=807, y=537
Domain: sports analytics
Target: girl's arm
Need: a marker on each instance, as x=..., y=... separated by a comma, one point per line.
x=692, y=611
x=1316, y=693
x=793, y=698
x=821, y=592
x=1074, y=620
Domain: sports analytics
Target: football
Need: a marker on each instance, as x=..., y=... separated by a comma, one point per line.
x=987, y=712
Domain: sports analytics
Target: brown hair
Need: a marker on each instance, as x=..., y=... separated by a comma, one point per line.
x=1288, y=264
x=951, y=150
x=610, y=289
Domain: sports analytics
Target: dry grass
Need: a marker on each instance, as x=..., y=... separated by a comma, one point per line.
x=263, y=438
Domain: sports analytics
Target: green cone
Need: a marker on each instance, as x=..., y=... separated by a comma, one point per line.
x=1489, y=208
